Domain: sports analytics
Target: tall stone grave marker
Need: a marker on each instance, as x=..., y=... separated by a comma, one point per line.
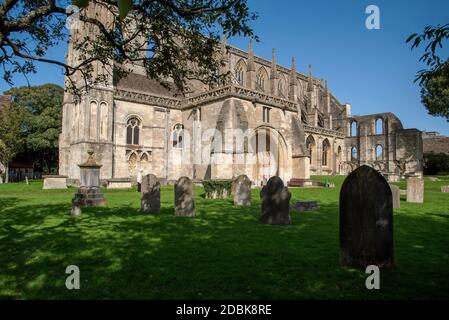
x=275, y=202
x=415, y=189
x=366, y=220
x=89, y=193
x=184, y=197
x=242, y=191
x=150, y=201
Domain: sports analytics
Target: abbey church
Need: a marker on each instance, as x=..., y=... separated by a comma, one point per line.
x=267, y=120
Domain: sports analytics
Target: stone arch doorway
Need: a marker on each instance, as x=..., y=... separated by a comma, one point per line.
x=269, y=155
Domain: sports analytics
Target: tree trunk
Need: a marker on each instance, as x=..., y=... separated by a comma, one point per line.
x=7, y=173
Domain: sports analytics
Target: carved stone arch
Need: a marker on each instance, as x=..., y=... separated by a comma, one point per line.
x=132, y=163
x=282, y=86
x=239, y=72
x=379, y=129
x=132, y=115
x=271, y=156
x=262, y=79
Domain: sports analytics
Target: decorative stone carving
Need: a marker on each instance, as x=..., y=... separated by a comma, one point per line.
x=89, y=193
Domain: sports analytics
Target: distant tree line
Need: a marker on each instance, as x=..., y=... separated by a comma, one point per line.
x=30, y=126
x=436, y=163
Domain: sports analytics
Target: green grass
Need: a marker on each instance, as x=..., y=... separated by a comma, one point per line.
x=222, y=253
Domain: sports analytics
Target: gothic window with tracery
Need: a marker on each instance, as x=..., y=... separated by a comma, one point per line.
x=133, y=131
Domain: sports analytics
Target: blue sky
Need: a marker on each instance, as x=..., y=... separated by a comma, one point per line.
x=371, y=69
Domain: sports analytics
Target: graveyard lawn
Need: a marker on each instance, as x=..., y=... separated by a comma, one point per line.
x=221, y=253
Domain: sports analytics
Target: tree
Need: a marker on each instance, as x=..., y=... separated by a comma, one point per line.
x=41, y=123
x=11, y=134
x=434, y=81
x=176, y=34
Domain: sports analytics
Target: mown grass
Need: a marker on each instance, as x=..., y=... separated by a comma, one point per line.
x=222, y=253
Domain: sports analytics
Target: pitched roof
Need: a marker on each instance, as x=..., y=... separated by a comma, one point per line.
x=141, y=83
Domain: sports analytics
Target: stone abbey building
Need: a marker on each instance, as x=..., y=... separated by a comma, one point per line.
x=267, y=120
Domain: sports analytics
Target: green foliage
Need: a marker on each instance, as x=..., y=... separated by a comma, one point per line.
x=435, y=92
x=217, y=188
x=41, y=110
x=11, y=132
x=434, y=81
x=221, y=253
x=167, y=37
x=436, y=163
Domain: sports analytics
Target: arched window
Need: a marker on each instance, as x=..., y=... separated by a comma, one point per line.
x=354, y=155
x=260, y=79
x=320, y=121
x=325, y=152
x=281, y=88
x=379, y=129
x=238, y=73
x=133, y=131
x=353, y=129
x=310, y=144
x=178, y=136
x=303, y=117
x=379, y=152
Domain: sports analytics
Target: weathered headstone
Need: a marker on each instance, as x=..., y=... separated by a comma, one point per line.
x=305, y=205
x=150, y=201
x=415, y=189
x=445, y=189
x=396, y=195
x=366, y=220
x=89, y=192
x=242, y=191
x=55, y=182
x=275, y=202
x=184, y=198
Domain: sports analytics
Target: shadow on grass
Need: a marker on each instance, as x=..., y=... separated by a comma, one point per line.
x=222, y=253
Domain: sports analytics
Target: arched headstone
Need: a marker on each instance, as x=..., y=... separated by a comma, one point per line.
x=366, y=220
x=275, y=202
x=150, y=201
x=242, y=191
x=184, y=198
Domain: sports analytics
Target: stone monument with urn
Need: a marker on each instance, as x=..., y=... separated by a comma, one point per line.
x=89, y=192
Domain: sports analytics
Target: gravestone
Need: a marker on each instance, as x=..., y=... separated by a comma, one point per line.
x=184, y=198
x=396, y=195
x=275, y=202
x=89, y=192
x=305, y=205
x=55, y=182
x=242, y=191
x=445, y=189
x=150, y=201
x=415, y=189
x=366, y=220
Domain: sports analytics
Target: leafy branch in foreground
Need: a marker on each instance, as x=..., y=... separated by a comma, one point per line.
x=434, y=81
x=171, y=39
